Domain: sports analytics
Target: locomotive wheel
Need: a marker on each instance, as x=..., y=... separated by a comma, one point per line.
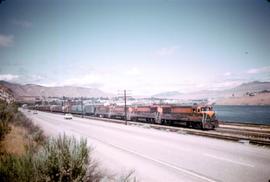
x=200, y=126
x=165, y=122
x=162, y=122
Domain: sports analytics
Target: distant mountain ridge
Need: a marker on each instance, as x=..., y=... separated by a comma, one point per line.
x=19, y=90
x=255, y=86
x=240, y=90
x=39, y=91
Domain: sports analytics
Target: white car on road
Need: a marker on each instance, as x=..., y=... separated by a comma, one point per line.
x=68, y=116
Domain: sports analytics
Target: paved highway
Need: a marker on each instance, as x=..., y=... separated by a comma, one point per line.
x=160, y=155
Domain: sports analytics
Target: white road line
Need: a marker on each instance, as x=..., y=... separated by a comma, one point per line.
x=152, y=159
x=228, y=160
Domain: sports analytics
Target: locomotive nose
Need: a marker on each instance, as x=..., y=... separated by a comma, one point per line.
x=211, y=113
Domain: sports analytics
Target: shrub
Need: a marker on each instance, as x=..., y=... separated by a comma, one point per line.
x=60, y=159
x=63, y=159
x=35, y=132
x=16, y=168
x=4, y=129
x=7, y=112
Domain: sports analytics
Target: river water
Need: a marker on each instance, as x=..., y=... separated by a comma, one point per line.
x=243, y=114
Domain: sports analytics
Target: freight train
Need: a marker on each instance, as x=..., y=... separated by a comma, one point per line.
x=195, y=116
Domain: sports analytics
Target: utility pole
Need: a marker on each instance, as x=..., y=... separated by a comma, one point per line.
x=82, y=106
x=125, y=98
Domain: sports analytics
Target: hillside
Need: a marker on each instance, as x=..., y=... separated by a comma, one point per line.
x=37, y=90
x=233, y=96
x=255, y=86
x=6, y=94
x=258, y=99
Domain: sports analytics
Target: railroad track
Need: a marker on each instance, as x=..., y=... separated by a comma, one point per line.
x=236, y=133
x=247, y=133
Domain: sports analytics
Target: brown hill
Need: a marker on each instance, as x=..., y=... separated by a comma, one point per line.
x=258, y=99
x=39, y=91
x=6, y=94
x=252, y=93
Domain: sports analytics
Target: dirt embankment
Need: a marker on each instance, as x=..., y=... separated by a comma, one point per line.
x=258, y=99
x=15, y=141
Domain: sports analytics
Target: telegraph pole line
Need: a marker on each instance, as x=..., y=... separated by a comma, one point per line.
x=125, y=98
x=82, y=106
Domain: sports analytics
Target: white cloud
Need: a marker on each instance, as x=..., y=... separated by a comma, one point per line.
x=34, y=78
x=133, y=71
x=227, y=74
x=8, y=77
x=6, y=40
x=139, y=79
x=22, y=23
x=167, y=51
x=265, y=69
x=225, y=84
x=82, y=81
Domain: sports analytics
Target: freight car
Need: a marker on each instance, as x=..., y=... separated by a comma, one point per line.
x=66, y=109
x=102, y=111
x=76, y=109
x=56, y=108
x=117, y=112
x=89, y=110
x=43, y=108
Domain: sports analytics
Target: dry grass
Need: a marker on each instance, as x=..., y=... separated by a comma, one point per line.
x=15, y=141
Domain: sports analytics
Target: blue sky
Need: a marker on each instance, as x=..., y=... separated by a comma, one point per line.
x=143, y=46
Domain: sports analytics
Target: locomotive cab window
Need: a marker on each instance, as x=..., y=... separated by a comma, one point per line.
x=153, y=109
x=166, y=110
